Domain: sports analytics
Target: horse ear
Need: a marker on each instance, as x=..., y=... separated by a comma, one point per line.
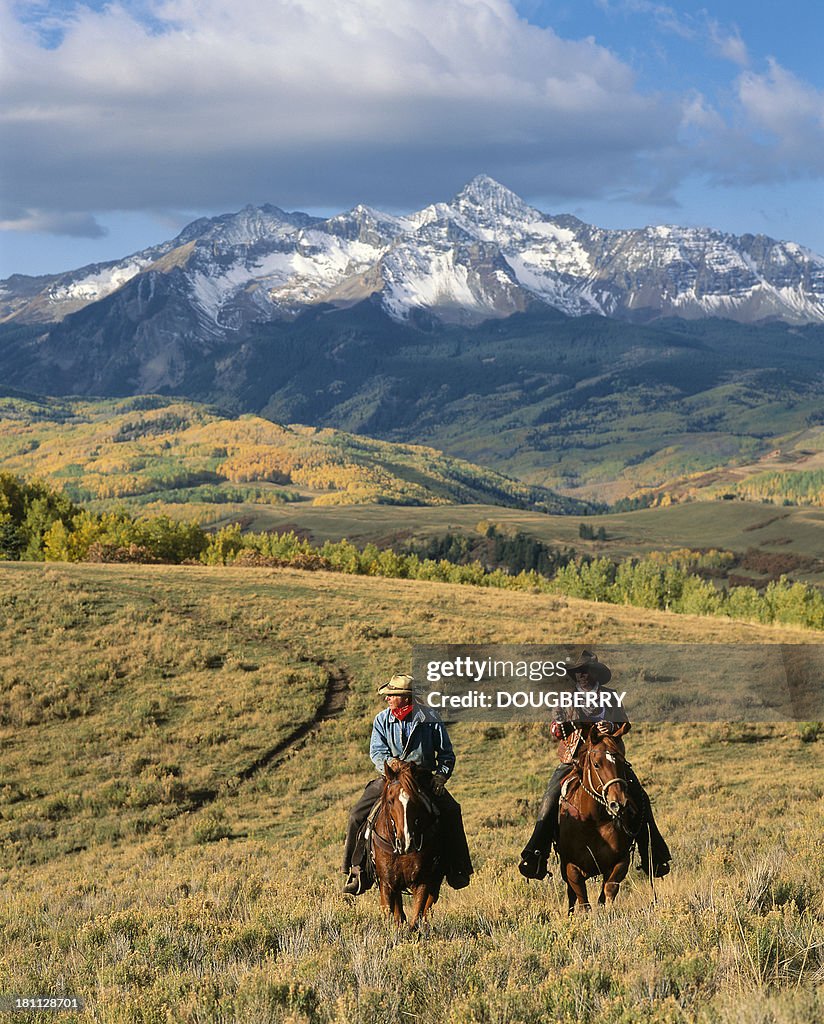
x=387, y=771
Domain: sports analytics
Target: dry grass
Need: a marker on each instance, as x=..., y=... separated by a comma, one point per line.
x=158, y=918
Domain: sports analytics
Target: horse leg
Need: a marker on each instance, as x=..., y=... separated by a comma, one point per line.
x=392, y=902
x=571, y=894
x=576, y=887
x=430, y=903
x=612, y=882
x=397, y=907
x=420, y=904
x=570, y=899
x=386, y=896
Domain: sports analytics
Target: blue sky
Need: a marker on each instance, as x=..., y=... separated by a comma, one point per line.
x=122, y=122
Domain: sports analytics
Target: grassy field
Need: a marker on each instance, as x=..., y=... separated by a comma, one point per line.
x=179, y=747
x=778, y=539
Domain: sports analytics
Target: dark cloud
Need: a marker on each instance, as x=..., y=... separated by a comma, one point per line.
x=202, y=104
x=310, y=103
x=74, y=225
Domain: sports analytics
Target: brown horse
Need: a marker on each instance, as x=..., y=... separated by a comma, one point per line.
x=598, y=821
x=405, y=845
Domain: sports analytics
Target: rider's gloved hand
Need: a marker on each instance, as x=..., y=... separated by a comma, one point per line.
x=438, y=784
x=605, y=728
x=394, y=763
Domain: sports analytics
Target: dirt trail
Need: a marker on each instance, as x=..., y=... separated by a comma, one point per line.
x=334, y=703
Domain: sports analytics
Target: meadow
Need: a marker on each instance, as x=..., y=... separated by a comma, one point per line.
x=768, y=540
x=179, y=748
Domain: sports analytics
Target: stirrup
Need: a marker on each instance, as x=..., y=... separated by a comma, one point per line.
x=534, y=865
x=355, y=884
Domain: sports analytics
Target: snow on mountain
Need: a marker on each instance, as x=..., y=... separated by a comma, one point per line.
x=485, y=253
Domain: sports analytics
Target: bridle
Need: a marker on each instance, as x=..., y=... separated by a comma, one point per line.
x=394, y=842
x=599, y=792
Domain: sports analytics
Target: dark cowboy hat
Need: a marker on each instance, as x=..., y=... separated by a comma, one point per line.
x=586, y=659
x=398, y=686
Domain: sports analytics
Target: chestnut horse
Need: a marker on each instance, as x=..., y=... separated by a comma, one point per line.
x=598, y=821
x=405, y=848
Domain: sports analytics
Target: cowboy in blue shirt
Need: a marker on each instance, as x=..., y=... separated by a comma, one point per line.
x=407, y=731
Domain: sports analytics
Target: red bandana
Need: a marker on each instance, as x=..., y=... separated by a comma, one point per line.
x=402, y=713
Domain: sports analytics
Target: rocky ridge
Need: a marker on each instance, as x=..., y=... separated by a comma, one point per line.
x=484, y=254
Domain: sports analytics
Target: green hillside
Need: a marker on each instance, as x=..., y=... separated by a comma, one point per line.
x=148, y=450
x=596, y=408
x=591, y=406
x=177, y=780
x=766, y=541
x=790, y=473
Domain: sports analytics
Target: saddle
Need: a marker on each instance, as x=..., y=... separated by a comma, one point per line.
x=364, y=854
x=570, y=782
x=369, y=825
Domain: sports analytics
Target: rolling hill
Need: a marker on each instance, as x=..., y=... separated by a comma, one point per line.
x=151, y=449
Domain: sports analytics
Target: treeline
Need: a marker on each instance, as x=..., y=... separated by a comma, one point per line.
x=651, y=583
x=494, y=549
x=27, y=512
x=37, y=524
x=219, y=494
x=773, y=487
x=789, y=487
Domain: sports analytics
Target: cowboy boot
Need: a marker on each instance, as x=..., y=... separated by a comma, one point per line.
x=535, y=854
x=356, y=884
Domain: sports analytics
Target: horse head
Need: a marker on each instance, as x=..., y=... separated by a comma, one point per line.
x=604, y=772
x=408, y=809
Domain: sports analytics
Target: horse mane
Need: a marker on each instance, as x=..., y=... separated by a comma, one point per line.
x=407, y=777
x=613, y=743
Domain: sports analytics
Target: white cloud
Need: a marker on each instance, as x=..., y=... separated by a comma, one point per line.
x=792, y=111
x=204, y=103
x=729, y=44
x=209, y=104
x=694, y=28
x=666, y=18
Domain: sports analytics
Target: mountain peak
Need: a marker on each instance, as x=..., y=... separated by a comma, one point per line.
x=485, y=253
x=483, y=185
x=484, y=198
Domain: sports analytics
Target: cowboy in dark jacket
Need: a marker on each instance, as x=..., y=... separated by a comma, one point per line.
x=407, y=731
x=589, y=674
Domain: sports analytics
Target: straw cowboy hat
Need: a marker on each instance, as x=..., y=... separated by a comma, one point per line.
x=585, y=658
x=398, y=686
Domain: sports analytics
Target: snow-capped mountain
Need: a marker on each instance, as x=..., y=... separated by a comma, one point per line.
x=484, y=254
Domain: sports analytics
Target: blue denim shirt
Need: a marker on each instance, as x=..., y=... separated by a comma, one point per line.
x=421, y=738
